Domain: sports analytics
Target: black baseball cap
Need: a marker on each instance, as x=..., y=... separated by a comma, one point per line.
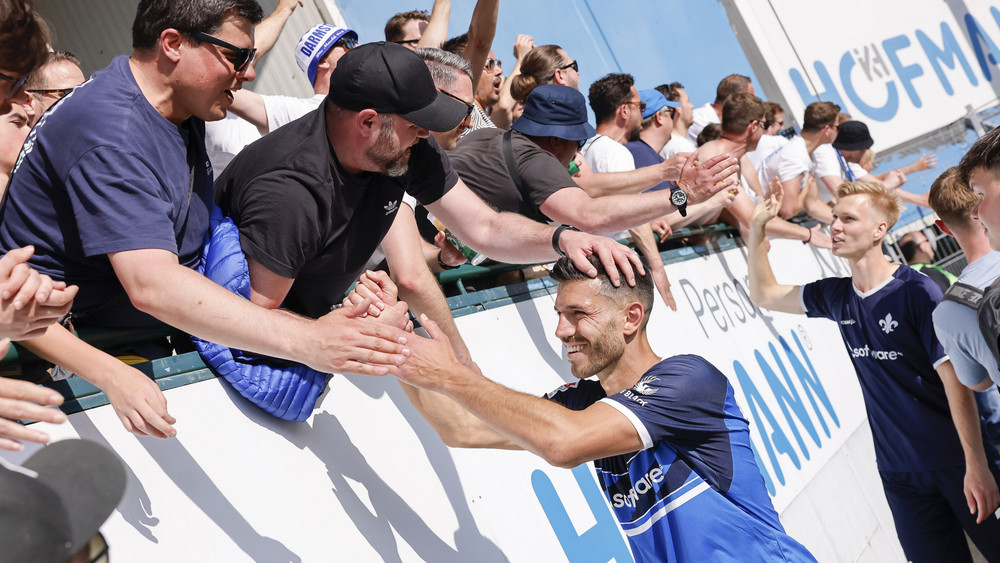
x=390, y=78
x=57, y=500
x=853, y=136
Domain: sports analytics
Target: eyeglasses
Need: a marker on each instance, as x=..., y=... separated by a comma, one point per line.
x=642, y=105
x=244, y=56
x=571, y=65
x=350, y=42
x=580, y=144
x=15, y=88
x=402, y=42
x=492, y=63
x=57, y=93
x=469, y=107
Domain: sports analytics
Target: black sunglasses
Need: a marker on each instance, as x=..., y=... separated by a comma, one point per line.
x=571, y=65
x=16, y=87
x=407, y=42
x=244, y=56
x=57, y=93
x=469, y=107
x=348, y=42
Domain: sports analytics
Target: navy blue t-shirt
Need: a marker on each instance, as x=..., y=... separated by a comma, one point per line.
x=104, y=172
x=694, y=493
x=890, y=337
x=644, y=155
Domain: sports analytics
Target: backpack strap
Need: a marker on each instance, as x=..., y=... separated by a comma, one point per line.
x=508, y=158
x=964, y=294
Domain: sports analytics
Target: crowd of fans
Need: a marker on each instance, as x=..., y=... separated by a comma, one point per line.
x=113, y=183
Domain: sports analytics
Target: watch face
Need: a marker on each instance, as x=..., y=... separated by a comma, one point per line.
x=678, y=197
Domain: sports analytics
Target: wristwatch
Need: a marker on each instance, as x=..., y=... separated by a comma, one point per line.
x=679, y=198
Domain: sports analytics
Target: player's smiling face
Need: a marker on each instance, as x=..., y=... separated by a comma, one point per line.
x=588, y=327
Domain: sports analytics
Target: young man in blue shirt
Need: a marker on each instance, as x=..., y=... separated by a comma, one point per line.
x=928, y=440
x=669, y=444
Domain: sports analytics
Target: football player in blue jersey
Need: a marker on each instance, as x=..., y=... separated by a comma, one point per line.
x=670, y=447
x=938, y=475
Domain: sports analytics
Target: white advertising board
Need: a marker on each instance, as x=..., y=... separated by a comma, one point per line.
x=904, y=67
x=365, y=479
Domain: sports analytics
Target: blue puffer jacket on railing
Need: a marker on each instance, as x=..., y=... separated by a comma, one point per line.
x=284, y=389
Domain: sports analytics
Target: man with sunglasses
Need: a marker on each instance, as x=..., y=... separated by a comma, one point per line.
x=51, y=83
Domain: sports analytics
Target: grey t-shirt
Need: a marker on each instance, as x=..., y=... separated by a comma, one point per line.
x=479, y=161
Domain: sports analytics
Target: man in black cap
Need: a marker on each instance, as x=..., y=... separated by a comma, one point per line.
x=852, y=141
x=313, y=199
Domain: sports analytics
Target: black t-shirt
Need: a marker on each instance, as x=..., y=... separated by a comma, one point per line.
x=303, y=217
x=479, y=161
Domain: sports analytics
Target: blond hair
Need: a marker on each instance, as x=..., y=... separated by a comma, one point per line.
x=883, y=199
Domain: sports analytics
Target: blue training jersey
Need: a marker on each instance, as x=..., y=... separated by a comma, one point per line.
x=694, y=493
x=890, y=337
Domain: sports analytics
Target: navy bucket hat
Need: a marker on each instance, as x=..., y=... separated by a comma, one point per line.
x=555, y=111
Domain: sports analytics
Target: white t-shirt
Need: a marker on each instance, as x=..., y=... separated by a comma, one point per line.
x=790, y=161
x=825, y=161
x=604, y=154
x=285, y=109
x=702, y=117
x=227, y=137
x=766, y=147
x=677, y=144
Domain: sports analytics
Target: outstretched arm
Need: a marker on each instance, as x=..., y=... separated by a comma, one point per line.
x=645, y=241
x=515, y=239
x=157, y=285
x=249, y=105
x=140, y=405
x=980, y=487
x=503, y=111
x=482, y=29
x=417, y=285
x=764, y=288
x=436, y=31
x=563, y=437
x=699, y=179
x=267, y=31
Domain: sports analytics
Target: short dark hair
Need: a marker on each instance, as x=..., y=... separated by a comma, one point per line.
x=564, y=271
x=952, y=200
x=394, y=27
x=984, y=153
x=23, y=37
x=771, y=111
x=740, y=110
x=820, y=114
x=711, y=132
x=456, y=44
x=154, y=16
x=732, y=84
x=608, y=93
